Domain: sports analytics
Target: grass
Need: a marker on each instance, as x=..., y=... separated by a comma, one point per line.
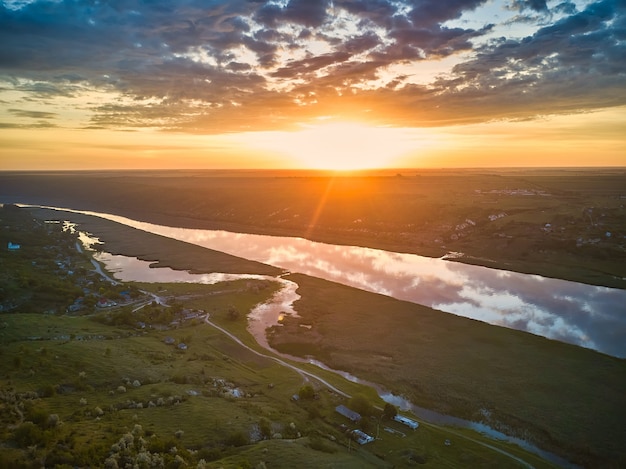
x=565, y=398
x=73, y=378
x=415, y=213
x=206, y=420
x=164, y=252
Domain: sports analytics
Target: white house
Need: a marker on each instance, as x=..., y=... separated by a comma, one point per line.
x=406, y=421
x=361, y=437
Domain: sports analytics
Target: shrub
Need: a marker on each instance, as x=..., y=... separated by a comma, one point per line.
x=306, y=392
x=53, y=420
x=390, y=411
x=209, y=454
x=233, y=314
x=237, y=439
x=265, y=427
x=47, y=391
x=361, y=404
x=318, y=444
x=28, y=434
x=38, y=416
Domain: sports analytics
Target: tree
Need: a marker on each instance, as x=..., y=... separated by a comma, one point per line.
x=306, y=392
x=265, y=427
x=360, y=404
x=233, y=314
x=389, y=412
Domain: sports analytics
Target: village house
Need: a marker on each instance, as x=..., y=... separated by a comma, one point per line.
x=13, y=247
x=349, y=414
x=406, y=421
x=362, y=437
x=105, y=303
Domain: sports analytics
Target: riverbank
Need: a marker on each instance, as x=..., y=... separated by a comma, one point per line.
x=559, y=224
x=564, y=398
x=84, y=388
x=119, y=239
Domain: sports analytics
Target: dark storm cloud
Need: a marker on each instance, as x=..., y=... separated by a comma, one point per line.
x=312, y=64
x=568, y=66
x=311, y=13
x=430, y=13
x=197, y=58
x=379, y=12
x=436, y=42
x=567, y=8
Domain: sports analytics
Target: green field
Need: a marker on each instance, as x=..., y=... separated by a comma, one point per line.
x=412, y=211
x=96, y=389
x=562, y=397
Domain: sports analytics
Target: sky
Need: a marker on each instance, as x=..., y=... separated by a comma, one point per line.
x=339, y=84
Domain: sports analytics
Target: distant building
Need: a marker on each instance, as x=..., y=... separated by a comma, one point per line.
x=169, y=340
x=349, y=414
x=182, y=346
x=105, y=303
x=13, y=247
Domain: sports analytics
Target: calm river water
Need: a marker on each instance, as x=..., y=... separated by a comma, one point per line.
x=265, y=315
x=584, y=315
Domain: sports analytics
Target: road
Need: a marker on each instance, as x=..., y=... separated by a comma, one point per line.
x=308, y=374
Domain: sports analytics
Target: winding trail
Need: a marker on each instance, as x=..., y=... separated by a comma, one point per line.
x=308, y=374
x=304, y=373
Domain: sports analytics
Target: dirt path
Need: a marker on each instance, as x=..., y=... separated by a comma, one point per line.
x=308, y=374
x=304, y=373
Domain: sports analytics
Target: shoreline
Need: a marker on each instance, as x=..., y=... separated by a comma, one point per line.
x=449, y=337
x=561, y=271
x=428, y=213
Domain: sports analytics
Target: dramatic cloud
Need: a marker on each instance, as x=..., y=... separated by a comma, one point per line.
x=220, y=66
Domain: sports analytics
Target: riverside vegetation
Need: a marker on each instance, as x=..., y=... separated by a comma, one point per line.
x=108, y=385
x=568, y=223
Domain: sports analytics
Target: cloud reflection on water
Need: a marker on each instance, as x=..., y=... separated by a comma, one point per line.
x=586, y=315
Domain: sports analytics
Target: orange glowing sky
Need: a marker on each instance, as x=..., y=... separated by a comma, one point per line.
x=337, y=84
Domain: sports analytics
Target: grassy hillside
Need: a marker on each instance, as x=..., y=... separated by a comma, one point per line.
x=100, y=387
x=565, y=398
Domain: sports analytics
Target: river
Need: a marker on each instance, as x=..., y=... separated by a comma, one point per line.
x=585, y=315
x=128, y=269
x=125, y=269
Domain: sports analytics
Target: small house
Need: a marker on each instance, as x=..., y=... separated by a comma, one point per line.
x=406, y=421
x=13, y=247
x=361, y=437
x=182, y=346
x=349, y=414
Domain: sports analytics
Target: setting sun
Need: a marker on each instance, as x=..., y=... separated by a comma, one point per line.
x=342, y=145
